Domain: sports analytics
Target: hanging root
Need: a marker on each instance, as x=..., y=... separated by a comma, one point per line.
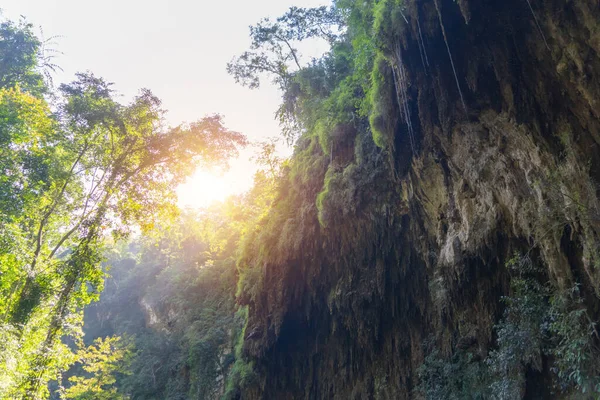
x=450, y=55
x=422, y=42
x=421, y=51
x=537, y=23
x=404, y=16
x=419, y=42
x=401, y=87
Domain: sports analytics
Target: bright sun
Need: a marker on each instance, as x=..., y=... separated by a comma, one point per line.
x=204, y=188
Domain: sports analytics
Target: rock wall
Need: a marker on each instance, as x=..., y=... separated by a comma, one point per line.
x=504, y=102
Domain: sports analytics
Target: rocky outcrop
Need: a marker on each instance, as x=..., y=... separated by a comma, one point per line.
x=504, y=99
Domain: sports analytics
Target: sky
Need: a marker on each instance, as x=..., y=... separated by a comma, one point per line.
x=179, y=50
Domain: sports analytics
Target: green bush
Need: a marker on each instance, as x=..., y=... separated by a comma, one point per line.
x=539, y=322
x=456, y=378
x=574, y=343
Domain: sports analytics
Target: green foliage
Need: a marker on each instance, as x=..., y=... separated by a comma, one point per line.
x=575, y=342
x=242, y=374
x=388, y=17
x=308, y=163
x=381, y=12
x=332, y=100
x=176, y=304
x=520, y=335
x=381, y=102
x=179, y=310
x=21, y=58
x=102, y=362
x=273, y=51
x=26, y=126
x=172, y=292
x=320, y=95
x=540, y=324
x=73, y=172
x=459, y=378
x=542, y=321
x=331, y=185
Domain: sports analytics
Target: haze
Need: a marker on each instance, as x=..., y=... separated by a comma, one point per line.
x=179, y=50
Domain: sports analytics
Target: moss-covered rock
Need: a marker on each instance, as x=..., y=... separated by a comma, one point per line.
x=401, y=235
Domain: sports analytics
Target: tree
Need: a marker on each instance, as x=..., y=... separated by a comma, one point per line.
x=173, y=293
x=123, y=169
x=20, y=57
x=68, y=179
x=273, y=48
x=102, y=362
x=306, y=86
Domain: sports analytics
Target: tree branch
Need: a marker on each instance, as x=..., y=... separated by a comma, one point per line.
x=292, y=50
x=47, y=215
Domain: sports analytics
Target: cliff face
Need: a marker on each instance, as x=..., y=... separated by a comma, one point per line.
x=502, y=100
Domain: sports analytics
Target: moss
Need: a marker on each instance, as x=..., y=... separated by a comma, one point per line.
x=308, y=161
x=389, y=21
x=242, y=373
x=332, y=180
x=249, y=282
x=382, y=21
x=360, y=296
x=323, y=133
x=381, y=102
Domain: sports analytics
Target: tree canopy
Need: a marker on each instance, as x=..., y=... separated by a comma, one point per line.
x=76, y=171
